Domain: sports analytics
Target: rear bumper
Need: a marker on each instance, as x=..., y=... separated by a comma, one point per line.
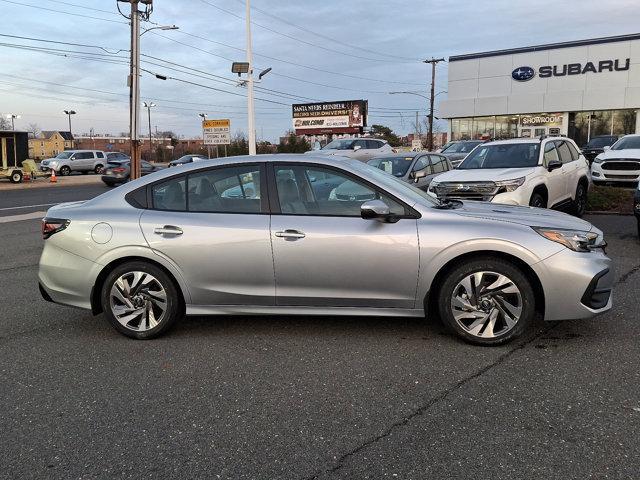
x=576, y=285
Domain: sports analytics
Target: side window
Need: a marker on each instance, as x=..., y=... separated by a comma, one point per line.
x=421, y=163
x=550, y=153
x=565, y=153
x=373, y=144
x=318, y=191
x=226, y=190
x=170, y=195
x=438, y=164
x=100, y=154
x=360, y=143
x=85, y=155
x=144, y=164
x=574, y=151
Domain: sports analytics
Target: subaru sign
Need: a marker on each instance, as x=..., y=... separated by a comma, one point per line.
x=522, y=74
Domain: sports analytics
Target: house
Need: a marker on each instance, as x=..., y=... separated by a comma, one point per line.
x=49, y=144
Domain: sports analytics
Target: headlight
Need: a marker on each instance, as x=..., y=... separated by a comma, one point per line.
x=432, y=187
x=576, y=240
x=510, y=185
x=53, y=164
x=597, y=159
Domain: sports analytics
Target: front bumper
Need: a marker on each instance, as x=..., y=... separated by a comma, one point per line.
x=600, y=175
x=576, y=285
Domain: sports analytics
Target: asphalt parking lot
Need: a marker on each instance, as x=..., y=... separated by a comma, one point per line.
x=312, y=397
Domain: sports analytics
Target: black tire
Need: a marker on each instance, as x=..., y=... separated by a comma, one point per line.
x=580, y=202
x=16, y=176
x=109, y=184
x=537, y=200
x=98, y=169
x=494, y=265
x=173, y=309
x=65, y=170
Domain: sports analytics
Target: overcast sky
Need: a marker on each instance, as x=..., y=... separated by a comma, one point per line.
x=329, y=50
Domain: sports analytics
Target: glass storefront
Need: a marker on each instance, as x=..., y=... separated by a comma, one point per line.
x=586, y=125
x=581, y=127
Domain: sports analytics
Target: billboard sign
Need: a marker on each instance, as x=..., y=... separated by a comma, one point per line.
x=216, y=132
x=348, y=116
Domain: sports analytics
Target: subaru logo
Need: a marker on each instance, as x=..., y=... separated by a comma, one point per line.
x=522, y=74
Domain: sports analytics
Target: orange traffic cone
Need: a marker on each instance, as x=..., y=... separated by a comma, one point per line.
x=53, y=178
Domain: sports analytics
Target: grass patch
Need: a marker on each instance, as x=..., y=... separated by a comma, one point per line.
x=610, y=199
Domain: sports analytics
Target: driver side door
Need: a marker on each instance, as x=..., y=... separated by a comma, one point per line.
x=325, y=254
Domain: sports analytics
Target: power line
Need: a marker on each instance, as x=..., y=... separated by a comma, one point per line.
x=34, y=39
x=38, y=7
x=306, y=30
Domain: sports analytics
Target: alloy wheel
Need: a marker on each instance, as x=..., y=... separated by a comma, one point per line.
x=138, y=301
x=486, y=304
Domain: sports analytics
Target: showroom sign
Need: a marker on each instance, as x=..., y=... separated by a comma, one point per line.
x=525, y=73
x=544, y=119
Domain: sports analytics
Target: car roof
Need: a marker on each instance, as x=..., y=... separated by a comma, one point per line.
x=509, y=141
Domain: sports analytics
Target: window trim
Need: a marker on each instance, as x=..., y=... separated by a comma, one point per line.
x=274, y=201
x=264, y=202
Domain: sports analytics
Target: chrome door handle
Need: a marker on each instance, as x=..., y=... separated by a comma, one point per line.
x=168, y=230
x=290, y=234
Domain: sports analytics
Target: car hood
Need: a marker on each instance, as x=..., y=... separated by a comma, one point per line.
x=529, y=216
x=484, y=175
x=47, y=160
x=627, y=153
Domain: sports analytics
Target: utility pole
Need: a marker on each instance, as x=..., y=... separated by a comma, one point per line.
x=149, y=106
x=433, y=62
x=250, y=106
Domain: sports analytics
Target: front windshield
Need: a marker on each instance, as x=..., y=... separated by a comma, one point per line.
x=600, y=142
x=626, y=143
x=64, y=155
x=344, y=144
x=510, y=155
x=396, y=166
x=461, y=147
x=383, y=179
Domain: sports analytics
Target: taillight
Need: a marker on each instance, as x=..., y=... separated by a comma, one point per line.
x=119, y=170
x=53, y=225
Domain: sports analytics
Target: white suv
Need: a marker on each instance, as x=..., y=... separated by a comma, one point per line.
x=619, y=163
x=363, y=149
x=548, y=172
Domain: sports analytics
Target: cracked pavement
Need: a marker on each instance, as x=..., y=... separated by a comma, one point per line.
x=314, y=397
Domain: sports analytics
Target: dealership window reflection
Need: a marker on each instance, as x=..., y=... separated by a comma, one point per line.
x=583, y=126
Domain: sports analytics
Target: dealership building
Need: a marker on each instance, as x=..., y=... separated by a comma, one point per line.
x=580, y=89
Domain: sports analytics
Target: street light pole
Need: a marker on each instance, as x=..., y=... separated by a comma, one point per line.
x=203, y=116
x=69, y=113
x=250, y=105
x=149, y=106
x=13, y=117
x=134, y=91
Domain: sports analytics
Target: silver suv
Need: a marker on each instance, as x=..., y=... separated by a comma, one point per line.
x=84, y=161
x=308, y=235
x=363, y=149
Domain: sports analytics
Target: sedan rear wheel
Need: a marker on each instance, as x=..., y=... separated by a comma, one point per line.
x=140, y=300
x=487, y=302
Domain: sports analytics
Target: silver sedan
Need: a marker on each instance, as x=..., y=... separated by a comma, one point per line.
x=277, y=235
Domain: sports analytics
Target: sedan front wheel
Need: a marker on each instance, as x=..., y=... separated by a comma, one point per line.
x=487, y=302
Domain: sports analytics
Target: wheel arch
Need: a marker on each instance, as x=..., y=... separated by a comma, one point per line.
x=542, y=189
x=431, y=297
x=96, y=306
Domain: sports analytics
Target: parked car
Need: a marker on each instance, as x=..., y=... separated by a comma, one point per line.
x=186, y=159
x=169, y=244
x=636, y=207
x=84, y=161
x=595, y=146
x=118, y=171
x=117, y=156
x=548, y=173
x=456, y=151
x=619, y=164
x=417, y=168
x=363, y=149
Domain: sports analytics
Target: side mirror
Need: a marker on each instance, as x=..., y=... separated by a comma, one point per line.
x=375, y=209
x=554, y=165
x=606, y=147
x=356, y=148
x=418, y=174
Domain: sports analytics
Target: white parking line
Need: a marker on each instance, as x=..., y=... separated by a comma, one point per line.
x=29, y=206
x=25, y=216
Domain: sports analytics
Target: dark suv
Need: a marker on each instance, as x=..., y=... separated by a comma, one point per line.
x=596, y=145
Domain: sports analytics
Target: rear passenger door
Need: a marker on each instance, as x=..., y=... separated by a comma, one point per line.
x=570, y=167
x=556, y=180
x=213, y=225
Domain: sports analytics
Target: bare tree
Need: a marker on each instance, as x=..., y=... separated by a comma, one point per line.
x=5, y=124
x=34, y=130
